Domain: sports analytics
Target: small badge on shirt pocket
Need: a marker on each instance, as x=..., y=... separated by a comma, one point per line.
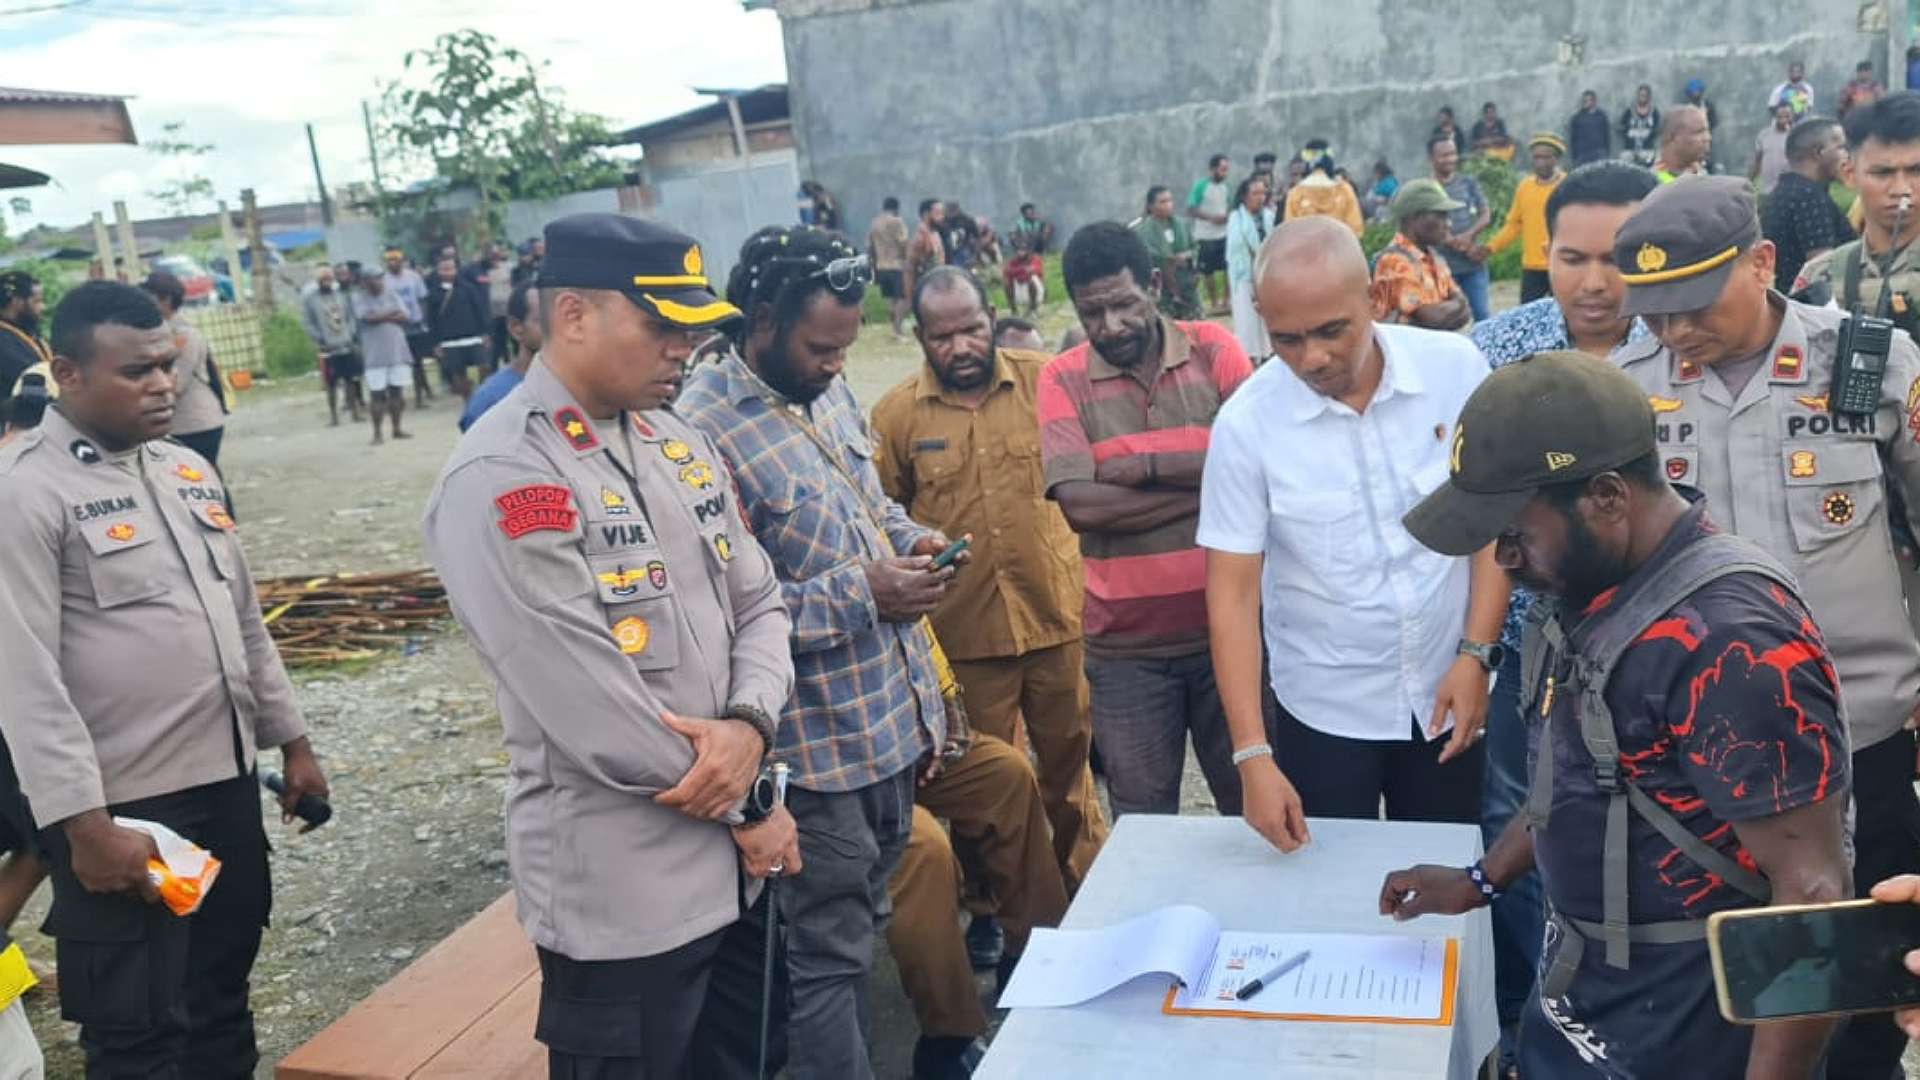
x=119, y=560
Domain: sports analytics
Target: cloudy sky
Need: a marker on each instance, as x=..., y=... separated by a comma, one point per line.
x=245, y=75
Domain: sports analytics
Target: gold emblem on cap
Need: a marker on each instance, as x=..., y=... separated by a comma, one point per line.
x=693, y=263
x=1651, y=258
x=1459, y=443
x=1559, y=459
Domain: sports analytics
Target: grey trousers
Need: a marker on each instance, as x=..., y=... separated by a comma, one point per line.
x=1143, y=711
x=834, y=909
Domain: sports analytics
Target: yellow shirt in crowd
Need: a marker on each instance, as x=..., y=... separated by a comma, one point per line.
x=1527, y=221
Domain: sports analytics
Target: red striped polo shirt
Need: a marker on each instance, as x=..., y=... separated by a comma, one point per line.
x=1146, y=591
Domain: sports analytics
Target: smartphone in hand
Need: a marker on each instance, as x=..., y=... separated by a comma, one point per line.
x=949, y=553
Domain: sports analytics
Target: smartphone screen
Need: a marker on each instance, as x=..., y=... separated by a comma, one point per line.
x=1844, y=958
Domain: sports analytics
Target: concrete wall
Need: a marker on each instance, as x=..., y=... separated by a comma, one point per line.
x=723, y=205
x=1079, y=105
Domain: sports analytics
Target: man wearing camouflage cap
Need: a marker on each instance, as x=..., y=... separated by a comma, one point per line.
x=1748, y=410
x=1675, y=650
x=1411, y=282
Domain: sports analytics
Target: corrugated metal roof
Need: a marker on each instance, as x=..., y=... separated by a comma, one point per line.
x=757, y=105
x=54, y=97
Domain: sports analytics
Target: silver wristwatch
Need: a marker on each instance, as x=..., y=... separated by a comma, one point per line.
x=1491, y=655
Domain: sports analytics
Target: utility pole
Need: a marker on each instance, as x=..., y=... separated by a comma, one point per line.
x=326, y=201
x=373, y=148
x=1897, y=42
x=103, y=246
x=230, y=243
x=546, y=132
x=262, y=274
x=135, y=271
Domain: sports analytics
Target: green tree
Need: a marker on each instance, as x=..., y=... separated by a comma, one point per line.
x=185, y=188
x=471, y=112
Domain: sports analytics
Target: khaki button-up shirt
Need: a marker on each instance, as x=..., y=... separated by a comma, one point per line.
x=962, y=470
x=197, y=394
x=132, y=652
x=602, y=572
x=1778, y=468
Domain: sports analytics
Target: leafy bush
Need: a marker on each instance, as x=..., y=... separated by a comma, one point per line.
x=1497, y=182
x=289, y=350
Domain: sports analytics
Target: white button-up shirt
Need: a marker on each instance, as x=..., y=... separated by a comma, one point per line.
x=1361, y=620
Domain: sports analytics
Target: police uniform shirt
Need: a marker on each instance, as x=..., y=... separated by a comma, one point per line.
x=1780, y=469
x=132, y=650
x=603, y=573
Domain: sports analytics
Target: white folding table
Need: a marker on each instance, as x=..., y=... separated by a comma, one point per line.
x=1221, y=865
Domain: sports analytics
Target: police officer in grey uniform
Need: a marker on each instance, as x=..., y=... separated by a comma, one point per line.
x=1742, y=385
x=590, y=545
x=140, y=683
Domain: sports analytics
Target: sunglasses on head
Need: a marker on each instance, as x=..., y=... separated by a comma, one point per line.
x=842, y=273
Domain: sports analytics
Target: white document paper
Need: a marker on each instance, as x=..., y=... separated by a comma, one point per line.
x=1347, y=975
x=1067, y=967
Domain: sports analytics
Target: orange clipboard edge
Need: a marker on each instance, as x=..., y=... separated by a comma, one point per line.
x=1449, y=975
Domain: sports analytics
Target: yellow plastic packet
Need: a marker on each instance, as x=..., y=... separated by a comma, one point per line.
x=185, y=871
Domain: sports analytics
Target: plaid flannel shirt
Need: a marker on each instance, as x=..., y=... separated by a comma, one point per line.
x=866, y=700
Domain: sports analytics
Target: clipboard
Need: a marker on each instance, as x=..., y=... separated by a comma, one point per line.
x=1450, y=983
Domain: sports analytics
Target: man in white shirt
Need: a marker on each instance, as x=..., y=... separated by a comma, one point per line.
x=1378, y=646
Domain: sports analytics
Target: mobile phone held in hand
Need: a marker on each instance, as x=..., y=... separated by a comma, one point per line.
x=950, y=553
x=1777, y=963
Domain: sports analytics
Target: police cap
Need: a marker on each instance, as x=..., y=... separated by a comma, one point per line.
x=1677, y=250
x=660, y=270
x=1551, y=418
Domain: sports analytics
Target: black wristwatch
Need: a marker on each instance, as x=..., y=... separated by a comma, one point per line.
x=762, y=799
x=758, y=719
x=1490, y=656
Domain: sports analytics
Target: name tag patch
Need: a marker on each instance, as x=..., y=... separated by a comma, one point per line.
x=98, y=508
x=536, y=508
x=923, y=446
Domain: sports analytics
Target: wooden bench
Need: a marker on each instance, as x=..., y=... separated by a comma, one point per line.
x=465, y=1009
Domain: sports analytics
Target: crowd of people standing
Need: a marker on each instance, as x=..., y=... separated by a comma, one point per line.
x=1110, y=544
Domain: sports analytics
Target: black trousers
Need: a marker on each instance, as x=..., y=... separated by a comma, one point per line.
x=159, y=995
x=1886, y=841
x=1534, y=284
x=691, y=1012
x=1339, y=777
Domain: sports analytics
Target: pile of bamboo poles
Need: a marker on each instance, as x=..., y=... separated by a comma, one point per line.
x=343, y=617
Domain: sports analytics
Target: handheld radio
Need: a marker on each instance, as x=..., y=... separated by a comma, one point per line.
x=1865, y=341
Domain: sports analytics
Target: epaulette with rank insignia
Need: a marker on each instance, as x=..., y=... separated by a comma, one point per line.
x=1634, y=352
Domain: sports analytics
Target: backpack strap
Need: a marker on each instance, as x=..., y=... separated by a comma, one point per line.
x=1542, y=644
x=1601, y=640
x=1851, y=263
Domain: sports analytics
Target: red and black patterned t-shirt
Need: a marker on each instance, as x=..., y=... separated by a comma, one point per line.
x=1726, y=710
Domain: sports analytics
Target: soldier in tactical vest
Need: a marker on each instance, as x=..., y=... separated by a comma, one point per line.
x=1884, y=140
x=1676, y=652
